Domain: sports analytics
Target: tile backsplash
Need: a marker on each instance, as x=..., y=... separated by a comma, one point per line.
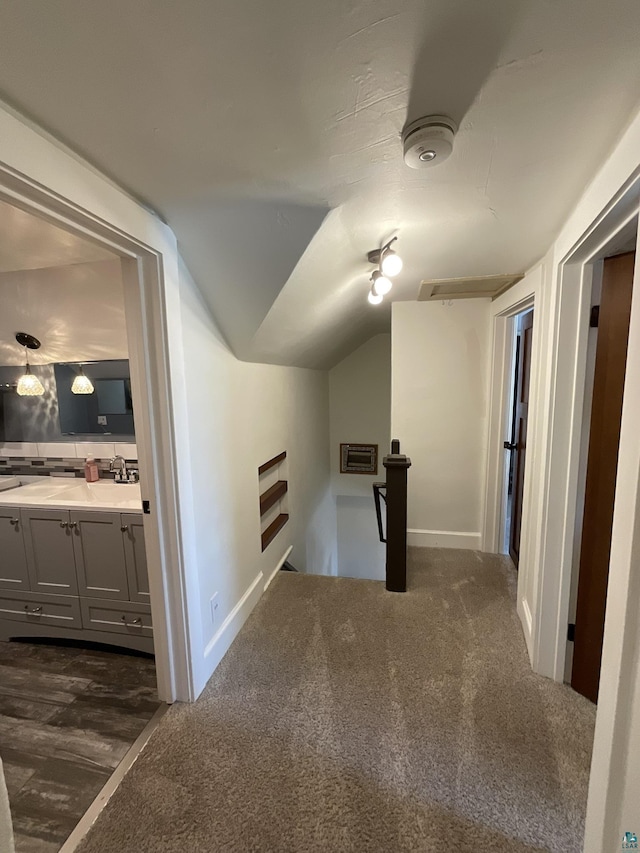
x=31, y=458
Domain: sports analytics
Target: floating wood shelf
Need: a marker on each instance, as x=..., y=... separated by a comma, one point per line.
x=272, y=463
x=273, y=529
x=272, y=495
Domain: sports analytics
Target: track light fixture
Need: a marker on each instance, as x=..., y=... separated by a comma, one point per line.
x=28, y=384
x=389, y=264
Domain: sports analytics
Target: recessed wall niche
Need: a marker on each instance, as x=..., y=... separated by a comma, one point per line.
x=273, y=498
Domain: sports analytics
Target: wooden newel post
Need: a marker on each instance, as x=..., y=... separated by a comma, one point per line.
x=396, y=465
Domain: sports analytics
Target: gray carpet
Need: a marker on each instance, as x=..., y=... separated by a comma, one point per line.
x=346, y=718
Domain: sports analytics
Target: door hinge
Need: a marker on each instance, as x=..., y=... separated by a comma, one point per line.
x=595, y=316
x=146, y=507
x=571, y=632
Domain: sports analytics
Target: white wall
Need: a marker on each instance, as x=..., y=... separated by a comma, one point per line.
x=241, y=415
x=439, y=412
x=360, y=412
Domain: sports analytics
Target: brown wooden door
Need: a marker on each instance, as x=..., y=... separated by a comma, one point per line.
x=602, y=464
x=519, y=439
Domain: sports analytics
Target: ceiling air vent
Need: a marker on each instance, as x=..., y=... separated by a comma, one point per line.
x=478, y=287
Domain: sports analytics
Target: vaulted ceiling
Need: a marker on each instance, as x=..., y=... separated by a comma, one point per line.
x=267, y=135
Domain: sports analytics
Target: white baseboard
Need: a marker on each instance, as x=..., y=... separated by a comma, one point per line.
x=444, y=539
x=524, y=612
x=278, y=567
x=227, y=632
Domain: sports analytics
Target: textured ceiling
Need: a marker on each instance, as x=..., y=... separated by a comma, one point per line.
x=244, y=122
x=28, y=242
x=76, y=312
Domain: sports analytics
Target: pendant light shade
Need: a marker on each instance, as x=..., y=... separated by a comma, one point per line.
x=28, y=384
x=82, y=384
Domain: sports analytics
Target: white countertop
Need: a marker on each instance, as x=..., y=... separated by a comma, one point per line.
x=53, y=493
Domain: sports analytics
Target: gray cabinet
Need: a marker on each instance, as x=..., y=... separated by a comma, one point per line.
x=135, y=557
x=74, y=573
x=100, y=555
x=13, y=557
x=50, y=555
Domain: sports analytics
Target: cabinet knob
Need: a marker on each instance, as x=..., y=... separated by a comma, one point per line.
x=64, y=524
x=124, y=528
x=35, y=611
x=135, y=623
x=73, y=524
x=14, y=520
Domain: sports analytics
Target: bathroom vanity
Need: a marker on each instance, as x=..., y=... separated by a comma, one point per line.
x=73, y=563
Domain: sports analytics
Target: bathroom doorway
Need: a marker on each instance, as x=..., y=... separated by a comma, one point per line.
x=67, y=577
x=146, y=327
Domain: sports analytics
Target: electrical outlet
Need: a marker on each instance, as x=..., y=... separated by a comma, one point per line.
x=102, y=420
x=214, y=607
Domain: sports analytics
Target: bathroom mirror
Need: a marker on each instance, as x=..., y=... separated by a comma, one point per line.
x=106, y=411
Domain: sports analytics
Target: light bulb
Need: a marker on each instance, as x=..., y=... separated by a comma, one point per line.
x=381, y=284
x=82, y=384
x=29, y=385
x=391, y=263
x=374, y=298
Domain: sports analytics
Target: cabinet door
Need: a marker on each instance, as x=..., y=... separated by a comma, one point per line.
x=99, y=550
x=13, y=558
x=136, y=557
x=49, y=547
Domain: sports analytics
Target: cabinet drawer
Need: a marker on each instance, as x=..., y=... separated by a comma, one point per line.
x=117, y=617
x=31, y=608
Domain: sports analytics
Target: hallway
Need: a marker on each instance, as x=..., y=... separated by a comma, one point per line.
x=346, y=718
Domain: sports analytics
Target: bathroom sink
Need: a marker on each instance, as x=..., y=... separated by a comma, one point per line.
x=76, y=494
x=115, y=493
x=47, y=488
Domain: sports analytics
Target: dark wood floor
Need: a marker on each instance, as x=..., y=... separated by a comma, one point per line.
x=67, y=718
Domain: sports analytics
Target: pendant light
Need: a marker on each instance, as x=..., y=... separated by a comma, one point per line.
x=82, y=384
x=28, y=384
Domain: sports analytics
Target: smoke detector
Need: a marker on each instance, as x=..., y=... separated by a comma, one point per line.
x=428, y=141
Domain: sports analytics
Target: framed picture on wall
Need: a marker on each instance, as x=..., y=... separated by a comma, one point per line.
x=358, y=458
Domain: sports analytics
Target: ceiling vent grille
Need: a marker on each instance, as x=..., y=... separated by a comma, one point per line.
x=476, y=287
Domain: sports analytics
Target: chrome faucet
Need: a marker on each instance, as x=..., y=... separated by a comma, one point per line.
x=123, y=474
x=119, y=465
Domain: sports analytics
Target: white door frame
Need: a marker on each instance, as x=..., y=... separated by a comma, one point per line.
x=559, y=492
x=559, y=363
x=503, y=312
x=146, y=323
